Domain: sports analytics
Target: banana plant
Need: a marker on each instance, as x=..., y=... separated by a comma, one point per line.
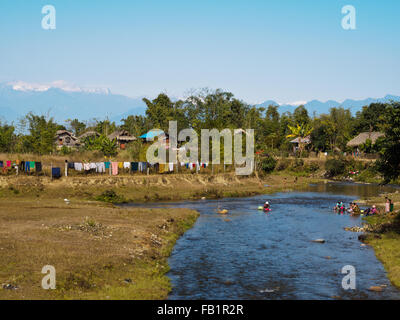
x=300, y=131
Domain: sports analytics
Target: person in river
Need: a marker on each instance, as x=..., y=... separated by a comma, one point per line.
x=350, y=209
x=342, y=208
x=391, y=205
x=387, y=205
x=356, y=210
x=371, y=211
x=266, y=206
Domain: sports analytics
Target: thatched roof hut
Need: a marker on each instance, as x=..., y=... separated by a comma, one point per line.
x=362, y=138
x=65, y=138
x=122, y=137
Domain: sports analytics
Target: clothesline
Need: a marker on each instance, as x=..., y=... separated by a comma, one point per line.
x=26, y=166
x=98, y=167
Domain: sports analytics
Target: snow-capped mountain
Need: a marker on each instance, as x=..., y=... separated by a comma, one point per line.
x=63, y=101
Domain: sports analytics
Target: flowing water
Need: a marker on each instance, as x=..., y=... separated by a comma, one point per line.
x=249, y=254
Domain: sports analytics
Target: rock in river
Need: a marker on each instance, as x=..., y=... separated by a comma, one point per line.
x=376, y=289
x=319, y=240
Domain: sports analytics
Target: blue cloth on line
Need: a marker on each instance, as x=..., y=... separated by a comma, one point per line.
x=56, y=172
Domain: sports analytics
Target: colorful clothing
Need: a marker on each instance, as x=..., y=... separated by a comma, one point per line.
x=114, y=168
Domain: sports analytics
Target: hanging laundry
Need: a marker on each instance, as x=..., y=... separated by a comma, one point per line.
x=107, y=164
x=56, y=172
x=134, y=166
x=92, y=165
x=38, y=166
x=71, y=165
x=8, y=164
x=127, y=165
x=86, y=166
x=114, y=168
x=78, y=166
x=100, y=167
x=171, y=166
x=120, y=165
x=32, y=164
x=1, y=164
x=142, y=166
x=27, y=166
x=162, y=168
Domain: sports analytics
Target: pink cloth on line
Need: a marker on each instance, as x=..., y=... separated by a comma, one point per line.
x=8, y=163
x=114, y=168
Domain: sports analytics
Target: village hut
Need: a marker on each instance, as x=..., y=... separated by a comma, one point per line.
x=65, y=138
x=363, y=137
x=123, y=137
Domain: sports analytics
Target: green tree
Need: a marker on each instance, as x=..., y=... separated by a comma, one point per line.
x=7, y=137
x=41, y=134
x=370, y=118
x=136, y=125
x=105, y=127
x=389, y=162
x=101, y=143
x=76, y=126
x=300, y=131
x=160, y=111
x=300, y=115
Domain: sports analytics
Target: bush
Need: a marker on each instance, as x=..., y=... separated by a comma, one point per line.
x=267, y=164
x=370, y=174
x=298, y=164
x=283, y=164
x=335, y=167
x=110, y=196
x=65, y=151
x=311, y=167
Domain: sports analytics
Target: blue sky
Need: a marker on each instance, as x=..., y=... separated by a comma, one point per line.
x=286, y=50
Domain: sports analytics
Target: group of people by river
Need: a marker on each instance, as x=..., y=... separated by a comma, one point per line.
x=354, y=210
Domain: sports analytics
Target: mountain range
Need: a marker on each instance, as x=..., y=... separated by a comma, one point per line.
x=68, y=102
x=62, y=103
x=319, y=107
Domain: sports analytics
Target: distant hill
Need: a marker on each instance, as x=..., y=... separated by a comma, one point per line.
x=62, y=104
x=323, y=107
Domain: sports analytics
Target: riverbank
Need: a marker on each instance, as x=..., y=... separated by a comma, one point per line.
x=99, y=251
x=150, y=188
x=384, y=236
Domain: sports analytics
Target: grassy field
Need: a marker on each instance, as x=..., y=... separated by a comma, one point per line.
x=99, y=252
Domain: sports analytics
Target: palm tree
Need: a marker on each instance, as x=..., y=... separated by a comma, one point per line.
x=300, y=131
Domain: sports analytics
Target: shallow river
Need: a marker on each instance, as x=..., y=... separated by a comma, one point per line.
x=252, y=255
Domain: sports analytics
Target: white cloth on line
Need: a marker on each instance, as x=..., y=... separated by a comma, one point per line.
x=100, y=167
x=78, y=166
